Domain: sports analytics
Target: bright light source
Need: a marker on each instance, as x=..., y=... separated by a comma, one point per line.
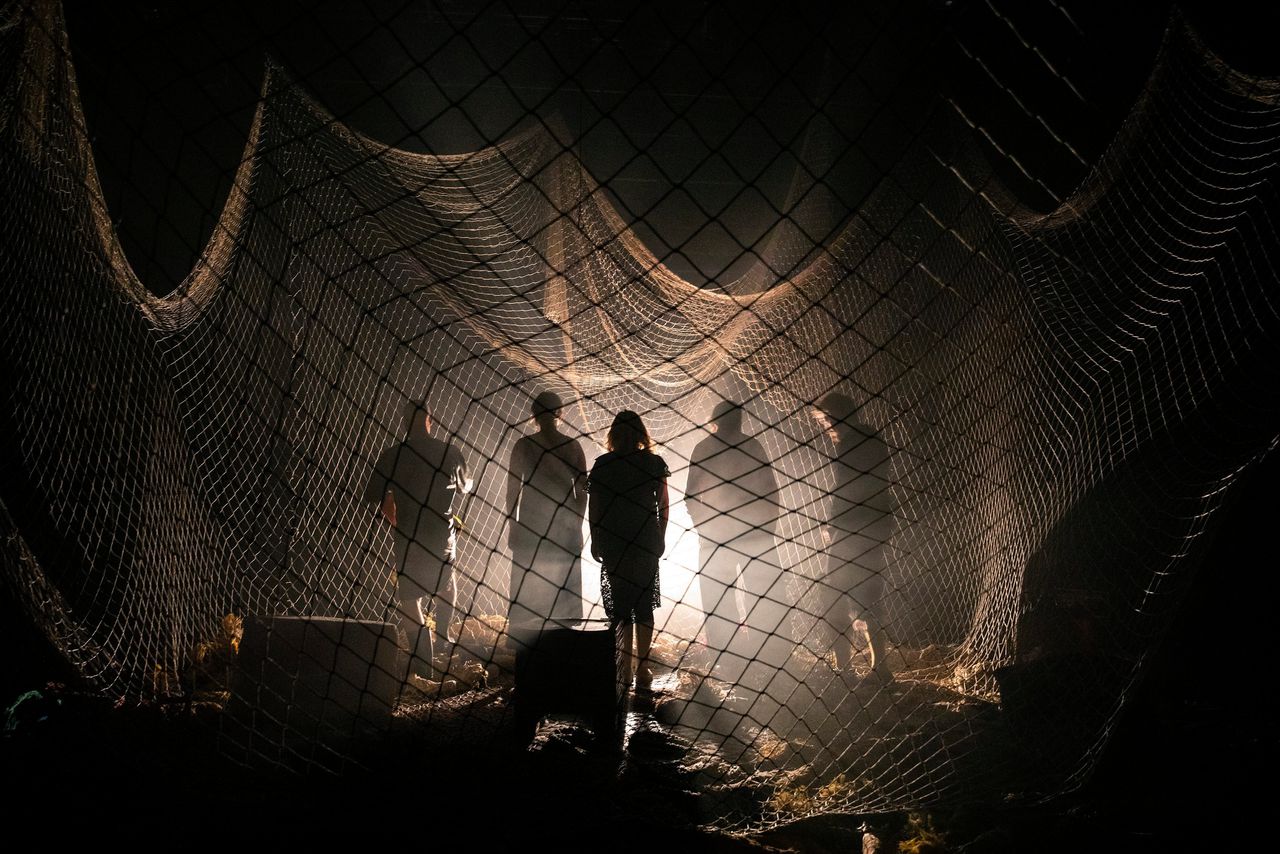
x=681, y=612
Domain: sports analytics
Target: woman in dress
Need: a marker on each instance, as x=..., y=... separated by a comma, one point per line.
x=629, y=507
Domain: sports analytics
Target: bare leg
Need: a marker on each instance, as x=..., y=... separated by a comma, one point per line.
x=866, y=597
x=623, y=633
x=644, y=640
x=879, y=648
x=840, y=618
x=844, y=651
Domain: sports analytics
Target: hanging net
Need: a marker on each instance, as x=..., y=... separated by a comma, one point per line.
x=1063, y=400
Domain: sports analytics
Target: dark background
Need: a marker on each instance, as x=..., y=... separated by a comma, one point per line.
x=694, y=115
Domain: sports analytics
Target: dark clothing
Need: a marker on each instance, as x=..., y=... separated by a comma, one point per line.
x=732, y=489
x=857, y=591
x=422, y=575
x=626, y=490
x=748, y=564
x=862, y=506
x=861, y=523
x=629, y=587
x=548, y=506
x=424, y=474
x=732, y=496
x=545, y=489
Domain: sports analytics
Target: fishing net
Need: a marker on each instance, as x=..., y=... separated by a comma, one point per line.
x=1066, y=392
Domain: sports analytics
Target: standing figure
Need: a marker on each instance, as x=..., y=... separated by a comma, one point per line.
x=546, y=503
x=629, y=509
x=860, y=522
x=732, y=496
x=416, y=483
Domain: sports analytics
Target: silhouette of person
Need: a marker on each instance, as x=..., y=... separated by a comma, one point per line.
x=629, y=508
x=416, y=483
x=859, y=524
x=732, y=496
x=546, y=503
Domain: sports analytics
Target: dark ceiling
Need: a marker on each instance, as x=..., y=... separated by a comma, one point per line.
x=694, y=115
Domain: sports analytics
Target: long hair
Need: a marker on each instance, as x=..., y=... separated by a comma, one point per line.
x=628, y=433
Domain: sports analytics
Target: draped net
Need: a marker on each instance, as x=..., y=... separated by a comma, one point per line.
x=1067, y=397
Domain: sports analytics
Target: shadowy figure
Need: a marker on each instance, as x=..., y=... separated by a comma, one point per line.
x=546, y=503
x=629, y=507
x=732, y=496
x=859, y=524
x=416, y=484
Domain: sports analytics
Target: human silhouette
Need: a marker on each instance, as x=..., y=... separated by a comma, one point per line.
x=629, y=508
x=546, y=503
x=732, y=497
x=859, y=524
x=416, y=484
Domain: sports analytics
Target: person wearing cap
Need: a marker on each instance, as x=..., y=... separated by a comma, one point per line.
x=546, y=505
x=732, y=497
x=859, y=525
x=416, y=484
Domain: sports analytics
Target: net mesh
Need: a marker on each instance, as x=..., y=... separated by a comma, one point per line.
x=1065, y=397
